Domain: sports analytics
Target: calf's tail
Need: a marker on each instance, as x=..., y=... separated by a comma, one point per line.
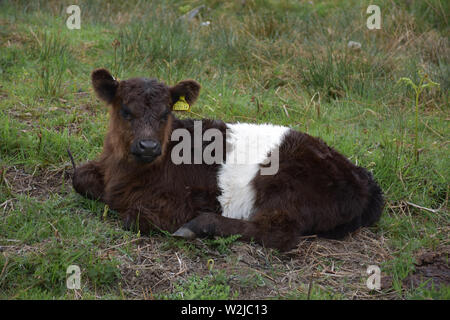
x=369, y=215
x=375, y=206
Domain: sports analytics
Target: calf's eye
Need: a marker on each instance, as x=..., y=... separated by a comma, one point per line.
x=125, y=112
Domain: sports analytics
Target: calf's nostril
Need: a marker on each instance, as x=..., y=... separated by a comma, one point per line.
x=149, y=147
x=147, y=144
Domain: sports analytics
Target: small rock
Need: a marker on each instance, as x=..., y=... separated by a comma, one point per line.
x=191, y=14
x=354, y=45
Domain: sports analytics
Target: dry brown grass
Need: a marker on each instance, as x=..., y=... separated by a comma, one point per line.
x=326, y=264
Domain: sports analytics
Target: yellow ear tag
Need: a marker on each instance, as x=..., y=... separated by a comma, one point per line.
x=181, y=105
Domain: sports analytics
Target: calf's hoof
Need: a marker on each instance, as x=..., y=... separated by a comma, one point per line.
x=185, y=233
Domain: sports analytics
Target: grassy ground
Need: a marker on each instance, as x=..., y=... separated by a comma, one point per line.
x=284, y=62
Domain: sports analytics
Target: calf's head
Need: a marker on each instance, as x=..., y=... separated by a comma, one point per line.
x=140, y=114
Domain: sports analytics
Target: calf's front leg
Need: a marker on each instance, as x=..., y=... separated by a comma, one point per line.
x=269, y=230
x=88, y=181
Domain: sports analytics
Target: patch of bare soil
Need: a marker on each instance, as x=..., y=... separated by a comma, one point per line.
x=337, y=268
x=431, y=269
x=40, y=184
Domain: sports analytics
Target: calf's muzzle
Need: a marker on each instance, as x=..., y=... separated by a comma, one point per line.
x=146, y=150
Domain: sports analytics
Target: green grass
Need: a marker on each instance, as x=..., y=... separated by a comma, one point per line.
x=284, y=62
x=212, y=287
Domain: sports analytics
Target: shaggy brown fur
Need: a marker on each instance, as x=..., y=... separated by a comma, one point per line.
x=316, y=190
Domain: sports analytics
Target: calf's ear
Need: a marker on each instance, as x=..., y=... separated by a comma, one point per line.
x=189, y=89
x=104, y=84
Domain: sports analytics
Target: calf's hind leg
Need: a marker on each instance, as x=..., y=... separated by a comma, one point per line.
x=88, y=181
x=269, y=230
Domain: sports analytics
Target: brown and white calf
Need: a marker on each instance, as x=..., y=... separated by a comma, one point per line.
x=315, y=190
